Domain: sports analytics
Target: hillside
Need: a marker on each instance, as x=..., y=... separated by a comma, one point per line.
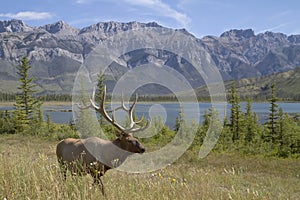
x=57, y=50
x=259, y=88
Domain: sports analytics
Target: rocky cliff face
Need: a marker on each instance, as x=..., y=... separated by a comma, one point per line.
x=56, y=51
x=14, y=26
x=242, y=54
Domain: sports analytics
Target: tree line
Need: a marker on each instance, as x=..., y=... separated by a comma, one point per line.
x=9, y=97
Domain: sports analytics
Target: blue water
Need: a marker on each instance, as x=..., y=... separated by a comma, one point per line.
x=169, y=111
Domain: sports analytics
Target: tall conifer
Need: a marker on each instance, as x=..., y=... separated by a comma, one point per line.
x=27, y=106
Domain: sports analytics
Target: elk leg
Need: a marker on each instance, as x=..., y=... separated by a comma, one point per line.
x=65, y=173
x=63, y=169
x=102, y=186
x=98, y=181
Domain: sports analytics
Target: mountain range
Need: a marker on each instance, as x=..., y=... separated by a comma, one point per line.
x=56, y=51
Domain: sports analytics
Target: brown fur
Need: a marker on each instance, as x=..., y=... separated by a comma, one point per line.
x=84, y=156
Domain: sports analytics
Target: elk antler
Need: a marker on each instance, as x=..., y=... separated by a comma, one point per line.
x=101, y=109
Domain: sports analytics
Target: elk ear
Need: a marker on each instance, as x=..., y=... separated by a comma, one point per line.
x=118, y=134
x=122, y=135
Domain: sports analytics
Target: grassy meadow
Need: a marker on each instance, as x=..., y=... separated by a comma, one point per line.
x=29, y=170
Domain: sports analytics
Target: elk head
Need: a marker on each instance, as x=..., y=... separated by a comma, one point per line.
x=129, y=143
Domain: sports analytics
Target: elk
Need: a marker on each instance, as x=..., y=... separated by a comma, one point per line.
x=94, y=155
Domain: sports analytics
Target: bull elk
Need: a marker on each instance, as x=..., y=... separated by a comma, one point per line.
x=94, y=155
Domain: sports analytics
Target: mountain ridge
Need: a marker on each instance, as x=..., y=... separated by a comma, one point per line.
x=259, y=88
x=57, y=50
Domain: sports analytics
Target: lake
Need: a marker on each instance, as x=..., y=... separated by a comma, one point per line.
x=169, y=111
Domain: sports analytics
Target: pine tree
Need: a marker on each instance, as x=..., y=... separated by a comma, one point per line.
x=280, y=127
x=177, y=124
x=215, y=125
x=85, y=123
x=99, y=93
x=235, y=113
x=48, y=120
x=273, y=116
x=27, y=106
x=250, y=122
x=206, y=120
x=287, y=135
x=179, y=121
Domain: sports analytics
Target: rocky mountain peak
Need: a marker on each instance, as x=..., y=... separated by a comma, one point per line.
x=295, y=39
x=102, y=30
x=273, y=39
x=111, y=26
x=242, y=33
x=60, y=27
x=274, y=36
x=13, y=26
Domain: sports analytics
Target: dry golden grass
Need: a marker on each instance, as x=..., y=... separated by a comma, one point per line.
x=29, y=170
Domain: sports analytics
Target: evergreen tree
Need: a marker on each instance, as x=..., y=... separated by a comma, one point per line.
x=6, y=122
x=273, y=116
x=250, y=121
x=177, y=124
x=99, y=93
x=181, y=128
x=86, y=125
x=27, y=106
x=179, y=120
x=215, y=126
x=235, y=117
x=48, y=120
x=280, y=127
x=206, y=121
x=288, y=135
x=201, y=130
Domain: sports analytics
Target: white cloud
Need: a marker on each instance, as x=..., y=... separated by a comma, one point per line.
x=276, y=27
x=162, y=9
x=157, y=7
x=27, y=15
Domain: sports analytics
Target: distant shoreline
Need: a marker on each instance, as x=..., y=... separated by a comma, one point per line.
x=69, y=103
x=45, y=103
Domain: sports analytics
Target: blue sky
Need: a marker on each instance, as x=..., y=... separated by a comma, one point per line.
x=200, y=17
